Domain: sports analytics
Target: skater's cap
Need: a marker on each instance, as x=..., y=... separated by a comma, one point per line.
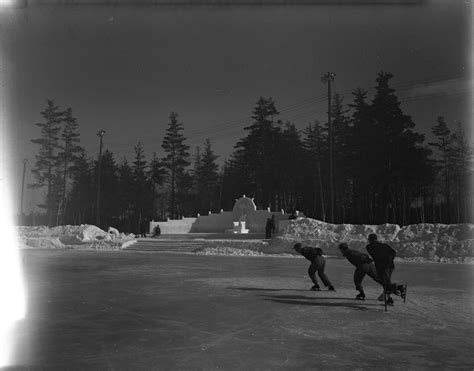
x=372, y=237
x=343, y=246
x=297, y=245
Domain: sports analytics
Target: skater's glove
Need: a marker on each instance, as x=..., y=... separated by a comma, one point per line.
x=367, y=259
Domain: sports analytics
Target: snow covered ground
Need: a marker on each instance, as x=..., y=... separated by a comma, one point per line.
x=418, y=242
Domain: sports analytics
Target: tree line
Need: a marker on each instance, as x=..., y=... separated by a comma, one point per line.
x=383, y=171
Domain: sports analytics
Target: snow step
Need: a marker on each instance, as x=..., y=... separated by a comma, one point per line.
x=161, y=249
x=206, y=236
x=162, y=243
x=174, y=245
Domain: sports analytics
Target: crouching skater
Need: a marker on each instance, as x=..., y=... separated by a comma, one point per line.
x=383, y=256
x=318, y=262
x=364, y=266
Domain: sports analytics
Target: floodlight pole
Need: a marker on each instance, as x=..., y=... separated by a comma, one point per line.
x=100, y=134
x=328, y=78
x=23, y=187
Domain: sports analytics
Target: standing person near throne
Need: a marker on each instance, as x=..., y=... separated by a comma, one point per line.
x=270, y=227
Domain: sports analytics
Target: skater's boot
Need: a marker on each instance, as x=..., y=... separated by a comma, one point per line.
x=360, y=296
x=392, y=289
x=331, y=288
x=389, y=301
x=401, y=289
x=315, y=288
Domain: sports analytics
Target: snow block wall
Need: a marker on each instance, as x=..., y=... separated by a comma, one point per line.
x=213, y=223
x=430, y=241
x=258, y=220
x=178, y=226
x=218, y=223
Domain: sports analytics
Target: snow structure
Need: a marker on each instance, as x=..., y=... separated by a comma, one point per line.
x=72, y=237
x=418, y=242
x=244, y=218
x=113, y=232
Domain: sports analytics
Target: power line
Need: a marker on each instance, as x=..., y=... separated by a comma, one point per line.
x=310, y=113
x=294, y=111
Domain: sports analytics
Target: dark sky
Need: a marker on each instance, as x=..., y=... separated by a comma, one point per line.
x=124, y=69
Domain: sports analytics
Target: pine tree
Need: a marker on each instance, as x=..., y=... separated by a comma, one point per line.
x=340, y=125
x=461, y=170
x=402, y=160
x=157, y=174
x=125, y=197
x=362, y=162
x=70, y=151
x=316, y=151
x=82, y=196
x=142, y=190
x=208, y=176
x=46, y=171
x=109, y=185
x=196, y=189
x=197, y=162
x=253, y=154
x=186, y=200
x=176, y=160
x=287, y=168
x=234, y=182
x=442, y=145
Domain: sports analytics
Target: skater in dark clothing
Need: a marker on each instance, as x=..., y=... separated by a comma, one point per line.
x=270, y=227
x=318, y=263
x=364, y=266
x=384, y=256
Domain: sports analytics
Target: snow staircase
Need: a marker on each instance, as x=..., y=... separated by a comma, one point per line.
x=163, y=244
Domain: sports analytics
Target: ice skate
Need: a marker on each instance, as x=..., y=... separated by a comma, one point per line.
x=360, y=296
x=315, y=288
x=390, y=301
x=402, y=289
x=331, y=288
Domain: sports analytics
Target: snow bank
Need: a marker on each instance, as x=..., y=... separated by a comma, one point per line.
x=233, y=247
x=429, y=241
x=70, y=236
x=417, y=242
x=227, y=250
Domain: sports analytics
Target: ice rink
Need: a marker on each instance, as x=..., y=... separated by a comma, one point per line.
x=124, y=310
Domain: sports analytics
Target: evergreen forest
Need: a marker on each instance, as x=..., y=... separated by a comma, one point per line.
x=382, y=170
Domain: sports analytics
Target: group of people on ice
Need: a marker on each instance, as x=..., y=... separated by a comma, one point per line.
x=378, y=265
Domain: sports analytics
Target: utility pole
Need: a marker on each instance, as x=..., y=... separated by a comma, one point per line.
x=100, y=134
x=23, y=188
x=328, y=78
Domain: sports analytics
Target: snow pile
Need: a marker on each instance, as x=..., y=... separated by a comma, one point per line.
x=432, y=242
x=233, y=247
x=227, y=250
x=307, y=228
x=71, y=236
